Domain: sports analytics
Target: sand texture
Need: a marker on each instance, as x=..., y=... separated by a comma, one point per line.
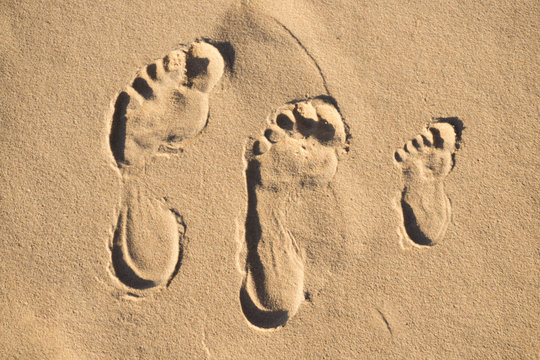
x=256, y=179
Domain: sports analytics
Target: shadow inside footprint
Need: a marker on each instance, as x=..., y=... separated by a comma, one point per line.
x=226, y=50
x=261, y=318
x=147, y=244
x=196, y=67
x=123, y=271
x=117, y=137
x=412, y=227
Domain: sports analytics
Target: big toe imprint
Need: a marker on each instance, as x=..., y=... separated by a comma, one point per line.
x=425, y=161
x=297, y=152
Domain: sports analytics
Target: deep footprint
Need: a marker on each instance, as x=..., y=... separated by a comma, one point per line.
x=165, y=104
x=298, y=152
x=425, y=161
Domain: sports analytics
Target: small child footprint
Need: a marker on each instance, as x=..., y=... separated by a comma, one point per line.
x=298, y=152
x=425, y=161
x=166, y=104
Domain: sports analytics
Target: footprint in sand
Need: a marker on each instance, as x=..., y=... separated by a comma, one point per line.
x=166, y=104
x=425, y=161
x=297, y=153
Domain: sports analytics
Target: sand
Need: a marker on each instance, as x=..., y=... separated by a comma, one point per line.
x=269, y=180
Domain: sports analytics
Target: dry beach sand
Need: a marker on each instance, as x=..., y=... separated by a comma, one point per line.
x=269, y=180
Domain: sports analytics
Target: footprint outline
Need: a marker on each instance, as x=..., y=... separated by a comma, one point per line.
x=425, y=161
x=306, y=127
x=142, y=128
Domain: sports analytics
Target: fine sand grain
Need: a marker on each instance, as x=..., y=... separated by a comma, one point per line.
x=270, y=180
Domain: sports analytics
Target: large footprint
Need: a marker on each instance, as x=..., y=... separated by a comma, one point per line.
x=298, y=152
x=166, y=104
x=425, y=161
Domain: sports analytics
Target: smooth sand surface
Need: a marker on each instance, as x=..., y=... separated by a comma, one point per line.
x=283, y=180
